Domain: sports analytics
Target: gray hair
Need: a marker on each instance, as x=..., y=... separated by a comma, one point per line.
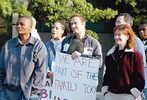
x=33, y=22
x=127, y=18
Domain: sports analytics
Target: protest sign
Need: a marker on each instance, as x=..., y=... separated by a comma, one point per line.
x=47, y=90
x=74, y=79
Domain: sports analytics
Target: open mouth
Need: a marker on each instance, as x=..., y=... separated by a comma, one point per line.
x=53, y=33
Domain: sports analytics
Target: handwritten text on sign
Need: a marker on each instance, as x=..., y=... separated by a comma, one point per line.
x=75, y=79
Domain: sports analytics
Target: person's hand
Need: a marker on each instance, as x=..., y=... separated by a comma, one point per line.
x=136, y=93
x=35, y=91
x=50, y=75
x=75, y=55
x=138, y=98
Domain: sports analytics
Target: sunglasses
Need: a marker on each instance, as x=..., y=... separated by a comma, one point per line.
x=142, y=29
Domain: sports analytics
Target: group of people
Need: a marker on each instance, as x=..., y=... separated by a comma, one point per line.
x=26, y=61
x=124, y=78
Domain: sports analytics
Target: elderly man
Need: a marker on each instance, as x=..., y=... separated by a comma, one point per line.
x=23, y=64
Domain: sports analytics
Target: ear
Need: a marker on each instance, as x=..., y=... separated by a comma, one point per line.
x=62, y=33
x=84, y=24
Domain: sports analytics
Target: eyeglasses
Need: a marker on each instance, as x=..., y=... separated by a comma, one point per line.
x=142, y=29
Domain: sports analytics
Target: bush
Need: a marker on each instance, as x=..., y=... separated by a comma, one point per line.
x=92, y=34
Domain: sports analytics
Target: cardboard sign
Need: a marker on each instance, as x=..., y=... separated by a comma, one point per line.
x=74, y=79
x=47, y=90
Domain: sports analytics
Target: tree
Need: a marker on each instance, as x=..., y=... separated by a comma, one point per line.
x=20, y=7
x=137, y=8
x=7, y=7
x=49, y=11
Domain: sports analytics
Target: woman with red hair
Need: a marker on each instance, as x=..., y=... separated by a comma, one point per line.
x=124, y=76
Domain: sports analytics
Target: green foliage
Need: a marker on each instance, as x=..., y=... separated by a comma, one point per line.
x=51, y=10
x=133, y=3
x=138, y=8
x=5, y=7
x=20, y=8
x=2, y=26
x=48, y=11
x=138, y=18
x=92, y=34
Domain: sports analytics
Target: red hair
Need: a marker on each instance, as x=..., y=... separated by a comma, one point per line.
x=126, y=30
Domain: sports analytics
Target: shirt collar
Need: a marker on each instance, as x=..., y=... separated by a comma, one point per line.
x=114, y=47
x=129, y=50
x=31, y=40
x=53, y=40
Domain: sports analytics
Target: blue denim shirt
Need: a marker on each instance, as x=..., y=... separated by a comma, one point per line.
x=53, y=46
x=23, y=65
x=51, y=53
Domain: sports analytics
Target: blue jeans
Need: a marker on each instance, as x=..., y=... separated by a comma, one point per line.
x=145, y=93
x=3, y=95
x=145, y=89
x=35, y=97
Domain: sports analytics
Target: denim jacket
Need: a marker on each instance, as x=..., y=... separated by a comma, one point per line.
x=23, y=66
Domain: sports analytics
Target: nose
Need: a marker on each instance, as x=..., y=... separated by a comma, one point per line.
x=141, y=30
x=19, y=24
x=73, y=25
x=116, y=37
